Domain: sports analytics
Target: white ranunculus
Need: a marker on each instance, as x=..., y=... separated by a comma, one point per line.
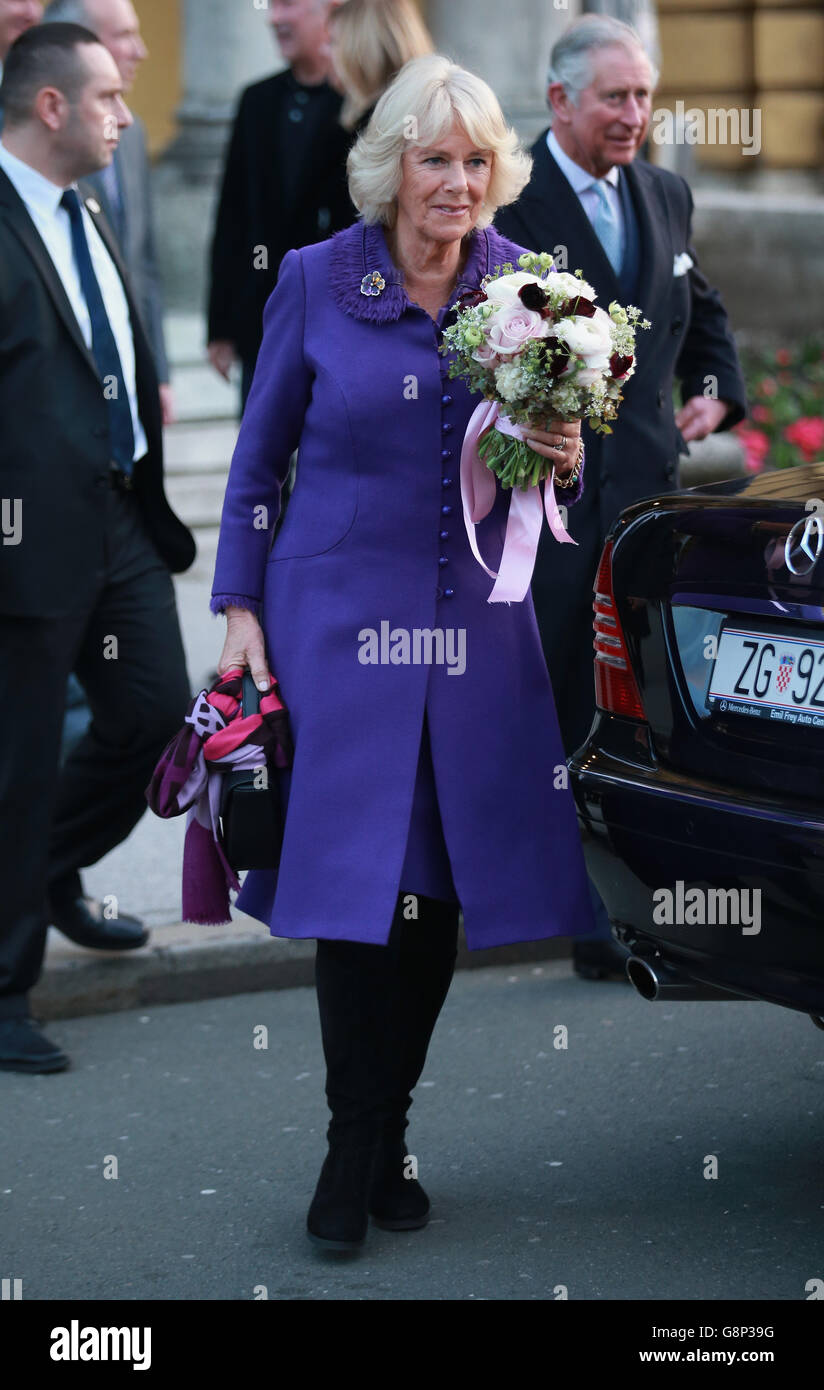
x=601, y=316
x=588, y=338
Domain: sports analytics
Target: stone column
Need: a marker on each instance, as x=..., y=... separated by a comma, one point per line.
x=507, y=45
x=226, y=44
x=225, y=47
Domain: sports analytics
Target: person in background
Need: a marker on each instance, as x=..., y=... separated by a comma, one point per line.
x=16, y=16
x=640, y=14
x=283, y=183
x=369, y=42
x=123, y=188
x=86, y=568
x=628, y=226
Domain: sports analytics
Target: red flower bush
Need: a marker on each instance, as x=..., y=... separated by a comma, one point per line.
x=785, y=427
x=808, y=434
x=756, y=447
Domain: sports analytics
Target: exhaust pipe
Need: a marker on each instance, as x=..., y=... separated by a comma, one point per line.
x=654, y=980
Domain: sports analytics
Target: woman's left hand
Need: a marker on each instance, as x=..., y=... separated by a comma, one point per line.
x=558, y=442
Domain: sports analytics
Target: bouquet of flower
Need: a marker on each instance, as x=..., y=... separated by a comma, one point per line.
x=534, y=343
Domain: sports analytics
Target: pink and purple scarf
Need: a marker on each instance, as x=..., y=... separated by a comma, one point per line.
x=215, y=738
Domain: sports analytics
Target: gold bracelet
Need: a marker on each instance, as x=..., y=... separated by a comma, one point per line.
x=576, y=472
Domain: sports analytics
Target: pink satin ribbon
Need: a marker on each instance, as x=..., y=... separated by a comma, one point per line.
x=526, y=509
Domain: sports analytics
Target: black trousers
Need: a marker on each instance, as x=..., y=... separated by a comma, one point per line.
x=378, y=1007
x=127, y=653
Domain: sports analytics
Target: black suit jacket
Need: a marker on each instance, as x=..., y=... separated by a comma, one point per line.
x=54, y=432
x=690, y=338
x=253, y=211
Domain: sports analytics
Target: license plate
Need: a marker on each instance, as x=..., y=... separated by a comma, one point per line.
x=769, y=676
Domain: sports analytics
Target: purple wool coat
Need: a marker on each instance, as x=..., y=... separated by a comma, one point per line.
x=374, y=535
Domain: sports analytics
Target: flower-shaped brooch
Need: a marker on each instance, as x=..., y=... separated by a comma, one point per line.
x=373, y=283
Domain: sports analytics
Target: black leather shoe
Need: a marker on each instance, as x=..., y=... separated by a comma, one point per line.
x=396, y=1202
x=597, y=960
x=24, y=1048
x=82, y=921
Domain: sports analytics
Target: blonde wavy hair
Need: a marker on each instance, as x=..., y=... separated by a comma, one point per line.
x=419, y=108
x=373, y=39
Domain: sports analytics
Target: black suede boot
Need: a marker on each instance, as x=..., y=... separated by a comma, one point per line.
x=356, y=991
x=397, y=1202
x=378, y=1006
x=427, y=952
x=338, y=1216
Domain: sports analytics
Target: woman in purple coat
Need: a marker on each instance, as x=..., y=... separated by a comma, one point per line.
x=428, y=770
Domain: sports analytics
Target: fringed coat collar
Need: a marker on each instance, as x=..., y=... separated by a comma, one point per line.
x=360, y=251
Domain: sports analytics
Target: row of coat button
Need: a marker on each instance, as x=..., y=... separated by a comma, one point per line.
x=446, y=482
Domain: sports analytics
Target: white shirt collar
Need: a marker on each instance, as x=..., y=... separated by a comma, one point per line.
x=578, y=177
x=34, y=188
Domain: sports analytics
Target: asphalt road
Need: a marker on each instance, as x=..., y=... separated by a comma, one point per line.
x=582, y=1167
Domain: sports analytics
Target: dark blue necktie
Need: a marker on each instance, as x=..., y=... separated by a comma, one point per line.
x=104, y=347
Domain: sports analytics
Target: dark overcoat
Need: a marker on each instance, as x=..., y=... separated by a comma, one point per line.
x=255, y=210
x=374, y=535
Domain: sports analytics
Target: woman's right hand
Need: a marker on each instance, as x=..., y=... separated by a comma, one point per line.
x=244, y=646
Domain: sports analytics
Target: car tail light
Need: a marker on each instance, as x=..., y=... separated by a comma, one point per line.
x=616, y=689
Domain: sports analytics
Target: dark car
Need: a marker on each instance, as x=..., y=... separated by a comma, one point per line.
x=700, y=790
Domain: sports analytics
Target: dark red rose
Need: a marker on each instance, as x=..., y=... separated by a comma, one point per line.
x=533, y=297
x=557, y=357
x=469, y=299
x=618, y=365
x=584, y=308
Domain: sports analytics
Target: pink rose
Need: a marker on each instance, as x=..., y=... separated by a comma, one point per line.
x=512, y=329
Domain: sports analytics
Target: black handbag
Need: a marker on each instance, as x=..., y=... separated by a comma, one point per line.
x=251, y=814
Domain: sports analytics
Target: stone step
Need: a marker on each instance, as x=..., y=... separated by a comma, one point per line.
x=200, y=446
x=185, y=338
x=197, y=498
x=202, y=631
x=202, y=394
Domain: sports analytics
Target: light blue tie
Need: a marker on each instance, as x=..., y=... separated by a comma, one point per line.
x=605, y=224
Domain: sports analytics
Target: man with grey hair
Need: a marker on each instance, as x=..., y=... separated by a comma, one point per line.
x=627, y=225
x=123, y=188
